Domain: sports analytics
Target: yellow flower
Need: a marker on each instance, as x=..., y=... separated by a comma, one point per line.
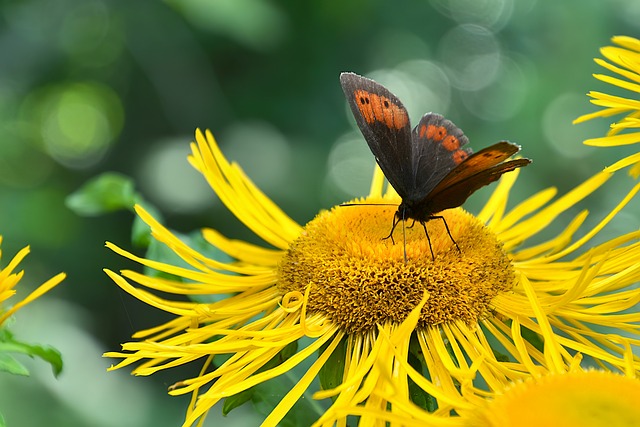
x=390, y=337
x=9, y=280
x=575, y=399
x=623, y=60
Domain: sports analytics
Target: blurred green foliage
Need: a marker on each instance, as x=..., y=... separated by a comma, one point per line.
x=9, y=364
x=93, y=86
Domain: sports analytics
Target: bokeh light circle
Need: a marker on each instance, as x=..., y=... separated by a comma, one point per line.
x=75, y=122
x=471, y=55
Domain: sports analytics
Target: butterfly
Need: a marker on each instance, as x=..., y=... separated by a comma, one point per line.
x=428, y=166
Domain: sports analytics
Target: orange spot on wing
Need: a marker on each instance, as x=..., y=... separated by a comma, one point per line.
x=459, y=156
x=440, y=133
x=363, y=102
x=451, y=143
x=376, y=105
x=437, y=133
x=400, y=117
x=375, y=108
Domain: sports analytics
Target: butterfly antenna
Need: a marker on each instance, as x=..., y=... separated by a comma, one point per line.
x=367, y=204
x=396, y=220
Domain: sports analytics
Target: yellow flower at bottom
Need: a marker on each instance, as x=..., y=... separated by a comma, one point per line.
x=413, y=341
x=575, y=399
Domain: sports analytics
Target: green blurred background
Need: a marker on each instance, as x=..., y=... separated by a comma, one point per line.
x=88, y=86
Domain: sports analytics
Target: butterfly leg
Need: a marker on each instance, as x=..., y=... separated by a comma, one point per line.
x=396, y=220
x=426, y=233
x=447, y=228
x=412, y=224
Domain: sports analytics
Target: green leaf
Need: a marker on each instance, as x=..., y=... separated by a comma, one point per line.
x=500, y=357
x=112, y=192
x=140, y=231
x=268, y=395
x=332, y=372
x=9, y=345
x=9, y=364
x=158, y=251
x=2, y=421
x=108, y=192
x=417, y=395
x=237, y=400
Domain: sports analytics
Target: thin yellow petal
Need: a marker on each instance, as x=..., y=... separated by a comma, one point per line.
x=529, y=206
x=531, y=226
x=613, y=141
x=630, y=43
x=633, y=159
x=608, y=112
x=38, y=292
x=243, y=251
x=240, y=195
x=17, y=259
x=376, y=183
x=631, y=75
x=303, y=384
x=496, y=205
x=599, y=226
x=606, y=100
x=618, y=82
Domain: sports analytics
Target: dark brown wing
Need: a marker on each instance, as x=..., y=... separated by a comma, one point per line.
x=483, y=159
x=438, y=148
x=385, y=125
x=480, y=169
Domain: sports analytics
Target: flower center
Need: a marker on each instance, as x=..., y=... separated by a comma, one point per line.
x=358, y=279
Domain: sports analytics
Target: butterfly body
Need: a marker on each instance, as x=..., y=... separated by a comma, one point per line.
x=428, y=166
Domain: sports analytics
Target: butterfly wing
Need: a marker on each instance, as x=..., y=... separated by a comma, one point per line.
x=436, y=151
x=427, y=166
x=385, y=125
x=478, y=170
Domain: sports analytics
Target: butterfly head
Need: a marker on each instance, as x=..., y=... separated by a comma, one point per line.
x=409, y=210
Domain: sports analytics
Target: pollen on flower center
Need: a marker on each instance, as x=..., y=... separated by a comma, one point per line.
x=358, y=279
